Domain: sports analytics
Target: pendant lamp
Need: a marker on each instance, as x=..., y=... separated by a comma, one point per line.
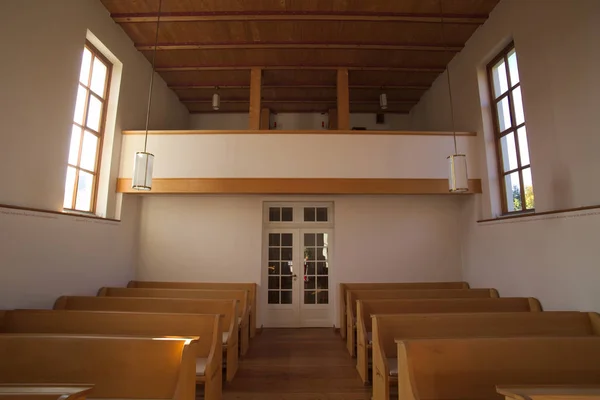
x=143, y=162
x=216, y=101
x=458, y=179
x=383, y=101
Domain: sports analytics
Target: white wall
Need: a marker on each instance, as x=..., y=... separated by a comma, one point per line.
x=376, y=238
x=292, y=121
x=556, y=259
x=42, y=258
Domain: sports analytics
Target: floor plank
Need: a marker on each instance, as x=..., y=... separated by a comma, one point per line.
x=297, y=364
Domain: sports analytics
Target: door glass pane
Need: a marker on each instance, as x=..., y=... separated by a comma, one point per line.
x=69, y=187
x=273, y=282
x=322, y=253
x=309, y=239
x=323, y=297
x=286, y=268
x=274, y=239
x=309, y=253
x=94, y=114
x=80, y=105
x=84, y=191
x=310, y=282
x=310, y=214
x=86, y=63
x=523, y=146
x=273, y=268
x=500, y=79
x=513, y=192
x=274, y=214
x=287, y=214
x=99, y=73
x=89, y=150
x=518, y=100
x=322, y=282
x=309, y=297
x=528, y=183
x=274, y=254
x=509, y=152
x=504, y=121
x=322, y=214
x=286, y=254
x=513, y=67
x=74, y=147
x=287, y=239
x=273, y=297
x=322, y=268
x=286, y=282
x=310, y=268
x=286, y=297
x=321, y=239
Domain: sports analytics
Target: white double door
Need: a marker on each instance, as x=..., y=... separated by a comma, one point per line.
x=296, y=276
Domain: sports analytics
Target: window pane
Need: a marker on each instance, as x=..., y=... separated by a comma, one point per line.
x=509, y=152
x=310, y=268
x=273, y=282
x=274, y=254
x=286, y=254
x=85, y=184
x=274, y=239
x=518, y=100
x=309, y=239
x=512, y=66
x=287, y=239
x=273, y=297
x=322, y=268
x=513, y=192
x=94, y=114
x=89, y=151
x=286, y=297
x=287, y=214
x=309, y=214
x=99, y=77
x=309, y=254
x=86, y=63
x=503, y=115
x=322, y=214
x=309, y=297
x=310, y=282
x=322, y=282
x=273, y=268
x=274, y=214
x=500, y=78
x=80, y=105
x=69, y=188
x=323, y=297
x=528, y=183
x=74, y=148
x=286, y=268
x=321, y=239
x=523, y=146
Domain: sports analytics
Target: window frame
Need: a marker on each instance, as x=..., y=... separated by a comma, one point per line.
x=499, y=135
x=99, y=133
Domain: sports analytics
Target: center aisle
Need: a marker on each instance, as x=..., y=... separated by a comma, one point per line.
x=297, y=364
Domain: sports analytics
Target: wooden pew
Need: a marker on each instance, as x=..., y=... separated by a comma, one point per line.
x=226, y=308
x=250, y=287
x=45, y=392
x=367, y=308
x=205, y=326
x=353, y=295
x=119, y=367
x=471, y=368
x=388, y=328
x=550, y=392
x=380, y=286
x=240, y=295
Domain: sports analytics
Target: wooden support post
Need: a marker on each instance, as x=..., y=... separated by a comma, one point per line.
x=343, y=100
x=333, y=119
x=255, y=89
x=265, y=117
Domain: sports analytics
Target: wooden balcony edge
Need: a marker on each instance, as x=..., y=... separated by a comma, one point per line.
x=298, y=132
x=297, y=186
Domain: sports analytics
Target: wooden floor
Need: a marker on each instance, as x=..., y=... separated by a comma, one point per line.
x=297, y=364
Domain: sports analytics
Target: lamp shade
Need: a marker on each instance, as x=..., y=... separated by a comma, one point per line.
x=458, y=179
x=383, y=101
x=216, y=101
x=143, y=163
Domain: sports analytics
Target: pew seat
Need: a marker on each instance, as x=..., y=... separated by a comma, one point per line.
x=226, y=308
x=205, y=326
x=389, y=328
x=470, y=368
x=550, y=392
x=239, y=295
x=119, y=367
x=45, y=392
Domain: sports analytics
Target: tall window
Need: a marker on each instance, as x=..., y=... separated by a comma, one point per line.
x=510, y=132
x=87, y=131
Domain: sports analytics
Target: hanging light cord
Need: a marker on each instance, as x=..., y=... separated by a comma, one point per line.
x=152, y=76
x=448, y=76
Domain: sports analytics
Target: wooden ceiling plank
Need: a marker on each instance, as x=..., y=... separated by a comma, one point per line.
x=299, y=67
x=359, y=87
x=297, y=101
x=125, y=18
x=297, y=46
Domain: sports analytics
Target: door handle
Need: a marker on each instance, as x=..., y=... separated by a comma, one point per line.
x=295, y=276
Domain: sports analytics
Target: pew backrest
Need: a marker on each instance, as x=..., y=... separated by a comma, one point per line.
x=226, y=308
x=45, y=392
x=388, y=285
x=205, y=326
x=550, y=392
x=471, y=368
x=119, y=367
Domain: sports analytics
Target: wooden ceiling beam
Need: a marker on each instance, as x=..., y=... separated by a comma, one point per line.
x=297, y=101
x=298, y=46
x=226, y=87
x=296, y=16
x=299, y=67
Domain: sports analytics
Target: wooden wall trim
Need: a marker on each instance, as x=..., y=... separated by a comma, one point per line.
x=330, y=186
x=300, y=132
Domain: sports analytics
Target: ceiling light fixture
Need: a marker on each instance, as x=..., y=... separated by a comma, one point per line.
x=143, y=162
x=383, y=101
x=458, y=179
x=216, y=100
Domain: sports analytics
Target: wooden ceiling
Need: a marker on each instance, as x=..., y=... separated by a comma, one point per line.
x=391, y=46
